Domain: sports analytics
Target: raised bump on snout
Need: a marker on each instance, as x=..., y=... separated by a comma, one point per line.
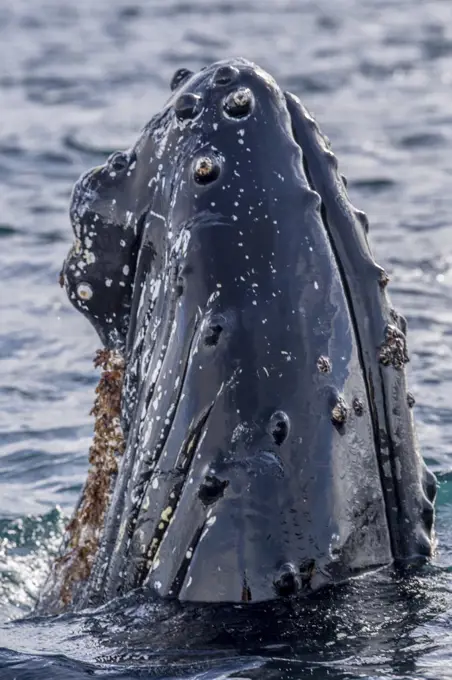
x=410, y=400
x=212, y=489
x=279, y=427
x=118, y=161
x=399, y=321
x=239, y=103
x=393, y=350
x=225, y=75
x=287, y=581
x=339, y=412
x=187, y=106
x=206, y=169
x=180, y=76
x=383, y=279
x=84, y=291
x=324, y=364
x=212, y=334
x=358, y=406
x=363, y=220
x=331, y=158
x=428, y=514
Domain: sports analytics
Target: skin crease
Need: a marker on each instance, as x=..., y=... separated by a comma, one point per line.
x=270, y=447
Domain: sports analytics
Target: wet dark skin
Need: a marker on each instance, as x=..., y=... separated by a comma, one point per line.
x=270, y=446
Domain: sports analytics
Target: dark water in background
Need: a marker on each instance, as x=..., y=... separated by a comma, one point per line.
x=80, y=78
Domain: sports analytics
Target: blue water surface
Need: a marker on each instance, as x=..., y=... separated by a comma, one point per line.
x=78, y=79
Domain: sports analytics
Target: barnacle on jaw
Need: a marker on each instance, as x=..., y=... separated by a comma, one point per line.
x=339, y=412
x=393, y=350
x=324, y=364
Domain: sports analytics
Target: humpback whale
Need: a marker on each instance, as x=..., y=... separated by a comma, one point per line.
x=253, y=410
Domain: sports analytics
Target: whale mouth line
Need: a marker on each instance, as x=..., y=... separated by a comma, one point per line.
x=181, y=468
x=141, y=486
x=154, y=457
x=181, y=575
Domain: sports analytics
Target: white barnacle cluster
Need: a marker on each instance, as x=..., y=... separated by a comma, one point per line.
x=188, y=122
x=240, y=432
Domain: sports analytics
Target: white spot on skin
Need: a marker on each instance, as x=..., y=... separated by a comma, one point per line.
x=121, y=533
x=212, y=297
x=126, y=269
x=108, y=282
x=156, y=371
x=161, y=217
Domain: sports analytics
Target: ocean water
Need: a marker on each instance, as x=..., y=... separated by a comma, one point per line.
x=78, y=80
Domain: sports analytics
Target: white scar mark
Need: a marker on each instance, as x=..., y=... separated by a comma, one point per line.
x=157, y=215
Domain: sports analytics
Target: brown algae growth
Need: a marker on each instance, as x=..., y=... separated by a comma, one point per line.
x=85, y=528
